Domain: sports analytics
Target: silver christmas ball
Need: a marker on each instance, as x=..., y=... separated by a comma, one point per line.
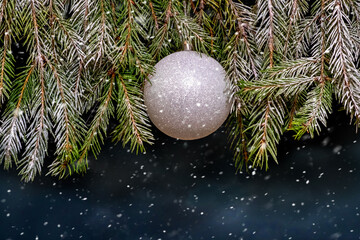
x=188, y=96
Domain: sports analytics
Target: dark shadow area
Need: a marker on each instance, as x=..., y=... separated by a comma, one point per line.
x=189, y=190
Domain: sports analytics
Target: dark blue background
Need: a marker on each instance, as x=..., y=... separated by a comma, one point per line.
x=189, y=190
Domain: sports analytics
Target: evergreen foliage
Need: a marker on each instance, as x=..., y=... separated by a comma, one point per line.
x=87, y=61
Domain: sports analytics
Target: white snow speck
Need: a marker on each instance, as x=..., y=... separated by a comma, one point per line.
x=337, y=149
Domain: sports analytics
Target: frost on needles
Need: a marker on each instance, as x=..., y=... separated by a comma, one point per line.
x=87, y=60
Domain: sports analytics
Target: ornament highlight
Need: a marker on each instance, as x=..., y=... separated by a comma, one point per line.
x=188, y=96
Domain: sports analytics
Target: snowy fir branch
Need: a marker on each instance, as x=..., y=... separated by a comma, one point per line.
x=86, y=62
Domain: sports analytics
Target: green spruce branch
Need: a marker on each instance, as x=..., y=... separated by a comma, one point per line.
x=87, y=60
